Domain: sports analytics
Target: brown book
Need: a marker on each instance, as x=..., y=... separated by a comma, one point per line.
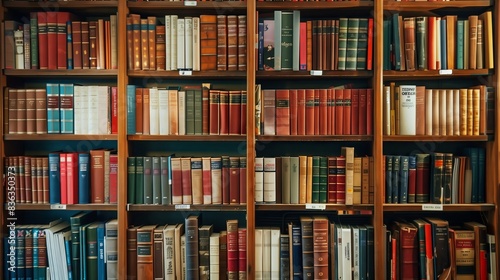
x=160, y=47
x=158, y=272
x=309, y=112
x=76, y=29
x=34, y=181
x=320, y=246
x=473, y=21
x=85, y=45
x=27, y=180
x=235, y=112
x=224, y=112
x=221, y=42
x=9, y=26
x=97, y=179
x=43, y=196
x=144, y=44
x=30, y=111
x=226, y=163
x=6, y=110
x=132, y=253
x=243, y=180
x=12, y=110
x=130, y=43
x=282, y=112
x=223, y=254
x=136, y=44
x=301, y=112
x=145, y=252
x=21, y=111
x=145, y=111
x=138, y=111
x=192, y=247
x=408, y=249
x=20, y=179
x=451, y=23
x=208, y=40
x=242, y=42
x=151, y=42
x=232, y=42
x=488, y=39
x=479, y=46
x=409, y=43
x=324, y=42
x=279, y=180
x=93, y=44
x=323, y=111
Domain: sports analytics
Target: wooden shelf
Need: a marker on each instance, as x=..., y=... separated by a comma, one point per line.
x=321, y=5
x=434, y=138
x=433, y=74
x=81, y=207
x=446, y=207
x=200, y=138
x=36, y=73
x=220, y=6
x=221, y=208
x=297, y=138
x=91, y=8
x=60, y=137
x=429, y=5
x=305, y=207
x=194, y=74
x=307, y=75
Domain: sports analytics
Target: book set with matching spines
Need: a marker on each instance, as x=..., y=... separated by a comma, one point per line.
x=169, y=180
x=189, y=110
x=436, y=43
x=187, y=250
x=439, y=178
x=61, y=109
x=287, y=43
x=332, y=111
x=66, y=178
x=84, y=248
x=203, y=43
x=57, y=40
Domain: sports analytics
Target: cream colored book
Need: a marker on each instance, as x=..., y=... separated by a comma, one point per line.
x=428, y=112
x=196, y=44
x=348, y=153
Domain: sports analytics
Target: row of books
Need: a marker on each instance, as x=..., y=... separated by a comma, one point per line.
x=187, y=251
x=432, y=248
x=207, y=42
x=340, y=111
x=59, y=40
x=191, y=110
x=315, y=249
x=187, y=180
x=286, y=43
x=66, y=178
x=61, y=108
x=434, y=43
x=440, y=178
x=84, y=248
x=341, y=179
x=417, y=110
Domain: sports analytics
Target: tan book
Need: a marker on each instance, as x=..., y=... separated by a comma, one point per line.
x=488, y=39
x=216, y=179
x=21, y=111
x=449, y=112
x=232, y=42
x=178, y=252
x=173, y=113
x=302, y=179
x=357, y=180
x=475, y=111
x=30, y=111
x=196, y=180
x=479, y=46
x=472, y=41
x=463, y=111
x=442, y=112
x=146, y=110
x=365, y=180
x=451, y=23
x=309, y=179
x=428, y=112
x=420, y=111
x=348, y=153
x=435, y=113
x=456, y=112
x=470, y=111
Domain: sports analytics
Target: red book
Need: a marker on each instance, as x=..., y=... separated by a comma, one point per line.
x=206, y=176
x=62, y=19
x=27, y=180
x=243, y=180
x=232, y=249
x=412, y=179
x=97, y=176
x=187, y=197
x=214, y=112
x=176, y=180
x=309, y=104
x=76, y=29
x=422, y=178
x=242, y=253
x=340, y=180
x=355, y=112
x=243, y=112
x=347, y=111
x=316, y=112
x=293, y=111
x=113, y=178
x=323, y=111
x=431, y=45
x=339, y=111
x=205, y=106
x=224, y=112
x=301, y=112
x=234, y=180
x=85, y=45
x=332, y=180
x=52, y=40
x=269, y=111
x=369, y=55
x=225, y=180
x=282, y=112
x=234, y=112
x=369, y=111
x=63, y=177
x=408, y=250
x=114, y=110
x=330, y=104
x=303, y=46
x=362, y=112
x=138, y=111
x=42, y=40
x=72, y=178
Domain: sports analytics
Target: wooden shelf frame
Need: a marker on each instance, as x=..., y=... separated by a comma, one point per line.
x=66, y=207
x=446, y=207
x=186, y=208
x=200, y=138
x=60, y=137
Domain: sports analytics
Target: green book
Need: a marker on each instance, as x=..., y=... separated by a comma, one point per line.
x=352, y=43
x=76, y=221
x=190, y=112
x=387, y=44
x=315, y=179
x=396, y=41
x=323, y=179
x=139, y=180
x=198, y=112
x=460, y=44
x=92, y=248
x=156, y=171
x=148, y=181
x=341, y=65
x=362, y=44
x=34, y=40
x=285, y=180
x=294, y=180
x=286, y=40
x=421, y=43
x=131, y=180
x=83, y=251
x=277, y=40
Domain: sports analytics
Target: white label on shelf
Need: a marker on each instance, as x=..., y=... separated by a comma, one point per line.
x=315, y=206
x=186, y=72
x=58, y=206
x=445, y=72
x=432, y=207
x=316, y=72
x=182, y=206
x=190, y=3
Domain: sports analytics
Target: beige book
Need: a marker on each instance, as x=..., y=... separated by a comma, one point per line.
x=472, y=41
x=420, y=110
x=259, y=180
x=470, y=111
x=285, y=180
x=428, y=112
x=449, y=112
x=463, y=111
x=196, y=44
x=442, y=112
x=302, y=179
x=456, y=112
x=181, y=103
x=479, y=46
x=181, y=44
x=259, y=247
x=393, y=111
x=168, y=42
x=387, y=110
x=348, y=153
x=365, y=180
x=435, y=112
x=173, y=112
x=168, y=248
x=270, y=179
x=488, y=38
x=475, y=111
x=309, y=179
x=214, y=256
x=188, y=43
x=357, y=180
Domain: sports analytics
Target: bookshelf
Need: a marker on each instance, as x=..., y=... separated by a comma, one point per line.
x=252, y=145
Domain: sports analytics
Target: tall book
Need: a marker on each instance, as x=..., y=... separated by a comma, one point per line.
x=232, y=249
x=204, y=235
x=307, y=232
x=192, y=248
x=145, y=252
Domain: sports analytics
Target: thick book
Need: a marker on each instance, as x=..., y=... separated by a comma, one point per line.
x=440, y=245
x=145, y=252
x=480, y=248
x=320, y=247
x=232, y=249
x=204, y=234
x=408, y=250
x=192, y=247
x=307, y=247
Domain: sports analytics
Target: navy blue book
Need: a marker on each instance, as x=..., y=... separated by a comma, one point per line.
x=363, y=232
x=67, y=249
x=403, y=179
x=296, y=252
x=83, y=179
x=284, y=257
x=131, y=111
x=481, y=198
x=388, y=179
x=101, y=267
x=395, y=178
x=370, y=253
x=54, y=179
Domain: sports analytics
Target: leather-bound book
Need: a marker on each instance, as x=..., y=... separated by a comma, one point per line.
x=76, y=28
x=224, y=112
x=293, y=105
x=362, y=114
x=160, y=47
x=192, y=248
x=301, y=112
x=30, y=111
x=85, y=45
x=145, y=252
x=408, y=250
x=62, y=32
x=309, y=112
x=234, y=180
x=158, y=273
x=208, y=39
x=93, y=44
x=214, y=114
x=242, y=253
x=232, y=249
x=410, y=43
x=282, y=112
x=132, y=253
x=226, y=179
x=21, y=111
x=152, y=42
x=176, y=180
x=222, y=42
x=242, y=42
x=306, y=225
x=204, y=251
x=97, y=177
x=339, y=111
x=136, y=43
x=235, y=112
x=130, y=43
x=355, y=112
x=320, y=247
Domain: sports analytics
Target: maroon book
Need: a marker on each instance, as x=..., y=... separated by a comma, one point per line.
x=232, y=249
x=214, y=112
x=234, y=112
x=369, y=111
x=224, y=112
x=408, y=250
x=301, y=112
x=309, y=112
x=323, y=111
x=234, y=180
x=422, y=178
x=339, y=111
x=282, y=112
x=355, y=112
x=362, y=112
x=242, y=253
x=332, y=180
x=347, y=111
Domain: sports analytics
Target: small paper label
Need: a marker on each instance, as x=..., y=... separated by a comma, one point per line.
x=58, y=206
x=316, y=206
x=432, y=207
x=182, y=206
x=186, y=72
x=316, y=72
x=445, y=72
x=190, y=3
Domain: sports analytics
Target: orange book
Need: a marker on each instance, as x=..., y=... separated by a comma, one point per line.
x=431, y=44
x=355, y=112
x=282, y=112
x=347, y=111
x=301, y=112
x=138, y=111
x=152, y=42
x=160, y=47
x=208, y=40
x=309, y=45
x=323, y=111
x=144, y=44
x=136, y=43
x=145, y=111
x=293, y=111
x=309, y=108
x=339, y=111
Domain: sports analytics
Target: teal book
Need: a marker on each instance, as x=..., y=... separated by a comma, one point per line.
x=362, y=44
x=315, y=179
x=36, y=234
x=444, y=57
x=352, y=43
x=286, y=40
x=53, y=113
x=131, y=110
x=421, y=43
x=323, y=179
x=69, y=41
x=83, y=178
x=20, y=253
x=420, y=224
x=460, y=44
x=341, y=65
x=387, y=44
x=76, y=221
x=198, y=112
x=148, y=181
x=139, y=180
x=190, y=112
x=131, y=181
x=101, y=266
x=67, y=249
x=396, y=41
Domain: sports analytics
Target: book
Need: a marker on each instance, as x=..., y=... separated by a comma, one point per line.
x=192, y=247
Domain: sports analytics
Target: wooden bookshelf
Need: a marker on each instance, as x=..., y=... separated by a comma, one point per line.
x=200, y=138
x=187, y=208
x=424, y=6
x=29, y=73
x=59, y=137
x=312, y=75
x=435, y=138
x=68, y=207
x=322, y=138
x=187, y=74
x=392, y=75
x=479, y=207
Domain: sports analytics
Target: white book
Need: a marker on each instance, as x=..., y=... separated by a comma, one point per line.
x=259, y=253
x=92, y=115
x=348, y=153
x=173, y=42
x=346, y=253
x=269, y=190
x=80, y=100
x=442, y=112
x=214, y=256
x=387, y=110
x=355, y=252
x=19, y=51
x=111, y=249
x=259, y=179
x=103, y=110
x=340, y=255
x=53, y=252
x=196, y=44
x=154, y=114
x=492, y=274
x=168, y=40
x=456, y=112
x=266, y=253
x=179, y=271
x=181, y=45
x=407, y=110
x=275, y=253
x=168, y=251
x=163, y=114
x=188, y=42
x=428, y=112
x=181, y=99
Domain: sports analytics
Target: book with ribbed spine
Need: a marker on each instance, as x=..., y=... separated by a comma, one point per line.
x=232, y=249
x=192, y=247
x=145, y=252
x=306, y=224
x=214, y=251
x=204, y=234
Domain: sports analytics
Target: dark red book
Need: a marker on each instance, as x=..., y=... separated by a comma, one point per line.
x=225, y=179
x=114, y=110
x=243, y=180
x=369, y=111
x=97, y=178
x=232, y=249
x=347, y=111
x=62, y=51
x=234, y=112
x=330, y=107
x=293, y=111
x=408, y=250
x=340, y=180
x=282, y=112
x=76, y=29
x=362, y=112
x=355, y=112
x=412, y=179
x=187, y=197
x=316, y=112
x=224, y=112
x=214, y=112
x=422, y=178
x=310, y=112
x=20, y=178
x=52, y=40
x=243, y=112
x=72, y=177
x=332, y=180
x=339, y=111
x=234, y=180
x=85, y=45
x=301, y=112
x=242, y=253
x=369, y=55
x=323, y=111
x=42, y=40
x=27, y=180
x=132, y=252
x=113, y=178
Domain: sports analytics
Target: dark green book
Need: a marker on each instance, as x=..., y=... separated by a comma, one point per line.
x=341, y=65
x=315, y=179
x=387, y=44
x=362, y=44
x=460, y=44
x=156, y=174
x=422, y=43
x=323, y=179
x=286, y=40
x=198, y=112
x=422, y=266
x=190, y=112
x=131, y=180
x=76, y=221
x=204, y=251
x=148, y=181
x=165, y=181
x=92, y=249
x=139, y=180
x=396, y=41
x=403, y=179
x=352, y=43
x=34, y=40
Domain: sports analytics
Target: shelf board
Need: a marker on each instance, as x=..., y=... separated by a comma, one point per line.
x=34, y=5
x=276, y=5
x=306, y=74
x=185, y=207
x=297, y=138
x=446, y=207
x=429, y=6
x=36, y=73
x=193, y=75
x=200, y=138
x=305, y=207
x=433, y=74
x=434, y=138
x=60, y=137
x=181, y=5
x=81, y=207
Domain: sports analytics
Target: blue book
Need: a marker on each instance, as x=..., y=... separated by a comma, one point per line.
x=481, y=198
x=362, y=252
x=67, y=114
x=370, y=253
x=388, y=179
x=403, y=179
x=131, y=129
x=83, y=179
x=261, y=46
x=297, y=252
x=36, y=234
x=396, y=41
x=101, y=267
x=67, y=249
x=395, y=179
x=54, y=179
x=69, y=40
x=444, y=61
x=460, y=44
x=53, y=113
